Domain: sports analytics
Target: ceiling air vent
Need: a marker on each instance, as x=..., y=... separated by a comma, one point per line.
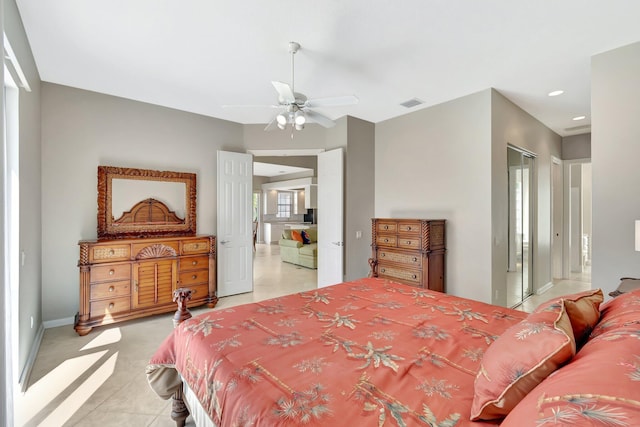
x=581, y=127
x=412, y=103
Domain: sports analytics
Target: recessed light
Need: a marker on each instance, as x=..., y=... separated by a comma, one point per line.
x=556, y=93
x=579, y=118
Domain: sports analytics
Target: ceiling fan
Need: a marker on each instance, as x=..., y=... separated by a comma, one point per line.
x=296, y=108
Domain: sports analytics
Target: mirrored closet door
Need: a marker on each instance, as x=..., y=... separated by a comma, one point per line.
x=519, y=269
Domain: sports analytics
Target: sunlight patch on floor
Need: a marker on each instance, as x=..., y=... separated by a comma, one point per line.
x=43, y=392
x=71, y=404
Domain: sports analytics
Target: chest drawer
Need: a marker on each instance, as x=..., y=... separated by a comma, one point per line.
x=386, y=240
x=191, y=277
x=111, y=289
x=412, y=260
x=387, y=227
x=103, y=273
x=200, y=246
x=409, y=242
x=403, y=274
x=194, y=263
x=111, y=305
x=409, y=227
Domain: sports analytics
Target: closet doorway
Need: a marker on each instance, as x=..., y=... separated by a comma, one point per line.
x=520, y=258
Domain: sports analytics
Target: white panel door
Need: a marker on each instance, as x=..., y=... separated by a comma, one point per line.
x=234, y=225
x=330, y=218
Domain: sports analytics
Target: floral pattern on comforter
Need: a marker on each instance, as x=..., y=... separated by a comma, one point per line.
x=367, y=352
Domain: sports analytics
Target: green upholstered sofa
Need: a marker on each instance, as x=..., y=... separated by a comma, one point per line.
x=296, y=252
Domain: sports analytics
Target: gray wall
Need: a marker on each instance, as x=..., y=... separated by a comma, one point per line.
x=436, y=163
x=576, y=147
x=30, y=295
x=359, y=196
x=512, y=125
x=615, y=136
x=450, y=161
x=82, y=130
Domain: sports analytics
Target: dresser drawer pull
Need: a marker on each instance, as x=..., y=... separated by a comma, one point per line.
x=382, y=255
x=112, y=252
x=111, y=289
x=386, y=227
x=383, y=270
x=408, y=228
x=194, y=277
x=408, y=242
x=111, y=272
x=111, y=305
x=415, y=276
x=194, y=263
x=386, y=240
x=415, y=259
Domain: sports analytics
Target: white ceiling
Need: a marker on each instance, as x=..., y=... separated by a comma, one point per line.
x=199, y=55
x=271, y=170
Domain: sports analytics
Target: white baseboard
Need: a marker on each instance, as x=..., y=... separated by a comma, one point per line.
x=31, y=360
x=59, y=322
x=545, y=288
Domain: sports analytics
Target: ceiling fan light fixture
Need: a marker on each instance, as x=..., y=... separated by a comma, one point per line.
x=299, y=126
x=282, y=120
x=299, y=119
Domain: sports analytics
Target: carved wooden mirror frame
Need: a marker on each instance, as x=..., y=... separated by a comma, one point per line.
x=110, y=228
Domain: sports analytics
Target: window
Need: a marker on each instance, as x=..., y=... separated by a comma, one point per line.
x=284, y=204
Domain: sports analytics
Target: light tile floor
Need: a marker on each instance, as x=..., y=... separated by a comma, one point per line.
x=99, y=380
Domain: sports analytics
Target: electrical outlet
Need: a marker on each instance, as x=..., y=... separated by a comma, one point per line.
x=358, y=234
x=31, y=322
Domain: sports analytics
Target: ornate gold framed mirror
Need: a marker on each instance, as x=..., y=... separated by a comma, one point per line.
x=145, y=203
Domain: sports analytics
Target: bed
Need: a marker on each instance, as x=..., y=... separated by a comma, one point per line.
x=374, y=352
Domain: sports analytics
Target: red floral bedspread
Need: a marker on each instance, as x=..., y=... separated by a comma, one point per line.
x=367, y=352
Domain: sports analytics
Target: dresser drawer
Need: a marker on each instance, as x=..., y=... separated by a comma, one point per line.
x=199, y=246
x=387, y=226
x=103, y=273
x=111, y=289
x=409, y=242
x=188, y=278
x=409, y=227
x=110, y=253
x=406, y=275
x=199, y=292
x=109, y=306
x=194, y=263
x=411, y=260
x=384, y=240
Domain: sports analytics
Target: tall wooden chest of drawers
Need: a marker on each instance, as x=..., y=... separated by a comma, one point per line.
x=128, y=279
x=410, y=251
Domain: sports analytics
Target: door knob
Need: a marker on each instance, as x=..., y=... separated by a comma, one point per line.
x=222, y=242
x=338, y=243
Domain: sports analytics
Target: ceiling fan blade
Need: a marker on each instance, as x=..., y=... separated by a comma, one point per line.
x=252, y=106
x=285, y=94
x=273, y=125
x=331, y=102
x=319, y=118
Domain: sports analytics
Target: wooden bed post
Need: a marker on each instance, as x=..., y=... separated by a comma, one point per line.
x=179, y=410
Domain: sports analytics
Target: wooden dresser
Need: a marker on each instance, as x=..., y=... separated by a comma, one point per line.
x=410, y=251
x=128, y=279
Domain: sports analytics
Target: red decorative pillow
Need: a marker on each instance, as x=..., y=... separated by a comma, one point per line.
x=583, y=309
x=600, y=385
x=523, y=356
x=295, y=235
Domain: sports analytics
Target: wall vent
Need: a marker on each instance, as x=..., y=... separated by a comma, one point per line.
x=412, y=103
